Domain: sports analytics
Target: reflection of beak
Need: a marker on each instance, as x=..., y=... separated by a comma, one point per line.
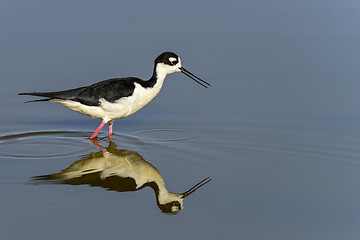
x=195, y=78
x=196, y=187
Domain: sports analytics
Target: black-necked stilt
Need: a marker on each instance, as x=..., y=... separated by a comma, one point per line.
x=118, y=97
x=121, y=170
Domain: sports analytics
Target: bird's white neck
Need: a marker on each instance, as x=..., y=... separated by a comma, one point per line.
x=160, y=76
x=162, y=70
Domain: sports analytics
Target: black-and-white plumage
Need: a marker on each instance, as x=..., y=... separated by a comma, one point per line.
x=118, y=97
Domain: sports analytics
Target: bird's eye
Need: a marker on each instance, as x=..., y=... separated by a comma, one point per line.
x=173, y=61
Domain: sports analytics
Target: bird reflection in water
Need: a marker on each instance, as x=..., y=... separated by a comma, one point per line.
x=120, y=170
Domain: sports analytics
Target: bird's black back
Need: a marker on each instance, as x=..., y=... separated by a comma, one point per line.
x=111, y=90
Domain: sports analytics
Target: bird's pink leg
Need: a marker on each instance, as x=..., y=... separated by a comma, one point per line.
x=98, y=129
x=110, y=128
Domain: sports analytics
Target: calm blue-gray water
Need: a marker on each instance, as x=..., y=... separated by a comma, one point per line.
x=277, y=132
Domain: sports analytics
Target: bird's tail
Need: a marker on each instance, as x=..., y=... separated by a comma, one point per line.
x=39, y=94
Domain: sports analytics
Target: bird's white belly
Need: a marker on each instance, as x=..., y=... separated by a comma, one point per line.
x=121, y=108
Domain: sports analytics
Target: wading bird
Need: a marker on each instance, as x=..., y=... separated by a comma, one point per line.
x=118, y=97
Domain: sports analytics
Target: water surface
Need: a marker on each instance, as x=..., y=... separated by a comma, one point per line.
x=277, y=132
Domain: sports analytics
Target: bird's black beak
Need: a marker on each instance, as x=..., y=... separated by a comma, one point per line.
x=196, y=187
x=195, y=78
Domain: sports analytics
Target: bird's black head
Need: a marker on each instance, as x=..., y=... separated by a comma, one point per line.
x=168, y=58
x=169, y=62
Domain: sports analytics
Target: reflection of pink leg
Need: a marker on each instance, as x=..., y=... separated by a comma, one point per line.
x=98, y=129
x=110, y=128
x=96, y=143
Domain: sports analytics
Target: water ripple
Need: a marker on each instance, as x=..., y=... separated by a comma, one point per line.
x=58, y=144
x=165, y=135
x=43, y=144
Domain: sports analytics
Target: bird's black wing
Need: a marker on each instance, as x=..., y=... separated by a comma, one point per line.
x=111, y=90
